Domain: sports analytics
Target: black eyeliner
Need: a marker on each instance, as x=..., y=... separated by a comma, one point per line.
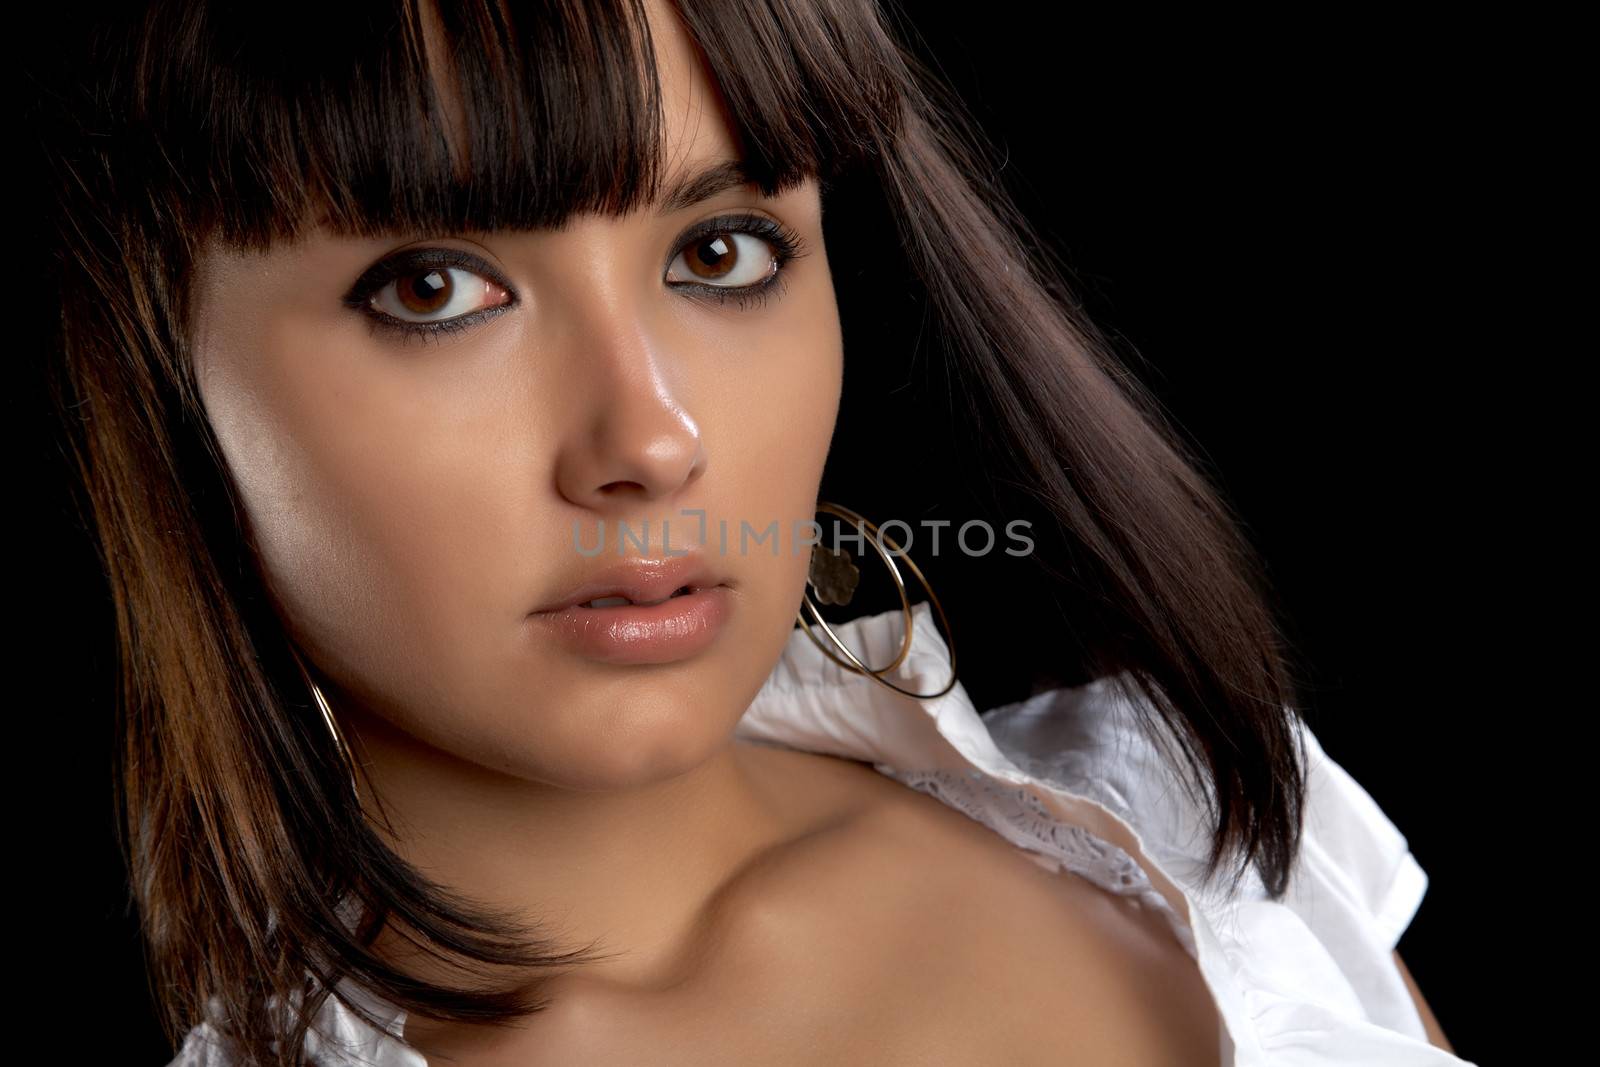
x=787, y=246
x=412, y=260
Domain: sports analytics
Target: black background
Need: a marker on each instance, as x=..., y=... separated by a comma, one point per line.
x=1285, y=225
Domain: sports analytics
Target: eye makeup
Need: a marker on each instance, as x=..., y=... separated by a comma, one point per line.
x=784, y=243
x=412, y=262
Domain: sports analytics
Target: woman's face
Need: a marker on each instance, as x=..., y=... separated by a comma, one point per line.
x=412, y=499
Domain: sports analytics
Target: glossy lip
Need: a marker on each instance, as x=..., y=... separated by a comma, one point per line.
x=638, y=579
x=660, y=633
x=667, y=632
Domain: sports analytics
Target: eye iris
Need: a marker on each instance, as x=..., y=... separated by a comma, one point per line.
x=425, y=292
x=719, y=253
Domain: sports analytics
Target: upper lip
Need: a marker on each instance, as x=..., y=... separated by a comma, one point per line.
x=639, y=579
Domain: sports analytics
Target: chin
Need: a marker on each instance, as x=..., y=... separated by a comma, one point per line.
x=626, y=742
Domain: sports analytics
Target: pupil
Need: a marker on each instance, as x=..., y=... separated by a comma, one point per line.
x=718, y=253
x=426, y=292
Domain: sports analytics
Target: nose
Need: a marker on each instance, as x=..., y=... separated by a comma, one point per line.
x=633, y=440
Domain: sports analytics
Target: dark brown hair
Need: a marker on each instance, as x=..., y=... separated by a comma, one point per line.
x=190, y=121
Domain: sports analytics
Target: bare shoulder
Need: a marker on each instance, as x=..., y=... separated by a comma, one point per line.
x=1113, y=993
x=1083, y=975
x=967, y=951
x=902, y=934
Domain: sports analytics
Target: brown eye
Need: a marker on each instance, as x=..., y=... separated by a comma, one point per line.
x=436, y=294
x=425, y=293
x=713, y=257
x=727, y=260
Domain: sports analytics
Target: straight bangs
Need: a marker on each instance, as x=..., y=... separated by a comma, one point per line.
x=394, y=120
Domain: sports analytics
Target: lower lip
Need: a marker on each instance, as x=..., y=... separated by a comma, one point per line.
x=672, y=630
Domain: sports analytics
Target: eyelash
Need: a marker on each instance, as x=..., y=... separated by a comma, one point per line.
x=787, y=246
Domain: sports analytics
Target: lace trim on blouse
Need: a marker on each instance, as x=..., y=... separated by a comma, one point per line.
x=1018, y=815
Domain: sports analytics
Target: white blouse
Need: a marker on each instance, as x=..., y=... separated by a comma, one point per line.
x=1070, y=778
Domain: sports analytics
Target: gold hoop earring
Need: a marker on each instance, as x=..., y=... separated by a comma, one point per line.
x=834, y=576
x=332, y=724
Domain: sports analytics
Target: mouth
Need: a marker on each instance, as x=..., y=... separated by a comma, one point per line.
x=624, y=602
x=617, y=629
x=637, y=584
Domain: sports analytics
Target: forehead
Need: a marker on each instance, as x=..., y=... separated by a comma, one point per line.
x=695, y=126
x=695, y=120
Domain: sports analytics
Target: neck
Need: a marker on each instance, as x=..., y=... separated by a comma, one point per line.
x=631, y=871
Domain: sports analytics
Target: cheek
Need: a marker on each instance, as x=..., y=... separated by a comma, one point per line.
x=775, y=446
x=787, y=415
x=389, y=545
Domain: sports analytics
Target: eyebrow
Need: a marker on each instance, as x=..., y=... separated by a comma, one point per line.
x=690, y=189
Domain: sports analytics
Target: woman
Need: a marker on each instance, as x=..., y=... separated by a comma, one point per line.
x=456, y=390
